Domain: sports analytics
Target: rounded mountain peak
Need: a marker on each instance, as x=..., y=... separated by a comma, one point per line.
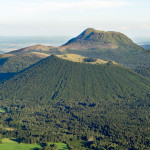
x=88, y=32
x=97, y=39
x=91, y=34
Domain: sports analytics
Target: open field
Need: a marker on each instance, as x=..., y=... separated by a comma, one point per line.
x=60, y=146
x=11, y=144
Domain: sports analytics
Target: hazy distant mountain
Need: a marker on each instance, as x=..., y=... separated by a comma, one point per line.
x=146, y=46
x=9, y=43
x=2, y=52
x=93, y=39
x=73, y=99
x=34, y=48
x=108, y=46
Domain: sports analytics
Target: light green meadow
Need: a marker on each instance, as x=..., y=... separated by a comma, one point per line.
x=10, y=144
x=60, y=146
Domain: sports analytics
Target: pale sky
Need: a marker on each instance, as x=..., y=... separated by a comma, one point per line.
x=71, y=17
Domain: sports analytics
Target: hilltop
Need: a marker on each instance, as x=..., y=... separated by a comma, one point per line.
x=92, y=39
x=108, y=46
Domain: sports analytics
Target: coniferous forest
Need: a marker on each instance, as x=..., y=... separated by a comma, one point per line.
x=86, y=106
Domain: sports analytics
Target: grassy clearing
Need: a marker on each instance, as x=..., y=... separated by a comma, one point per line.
x=81, y=59
x=2, y=110
x=9, y=144
x=60, y=146
x=9, y=129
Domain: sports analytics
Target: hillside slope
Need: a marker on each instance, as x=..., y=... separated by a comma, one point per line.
x=73, y=102
x=18, y=60
x=52, y=69
x=10, y=63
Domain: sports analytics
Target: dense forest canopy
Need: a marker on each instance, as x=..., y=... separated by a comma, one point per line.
x=87, y=106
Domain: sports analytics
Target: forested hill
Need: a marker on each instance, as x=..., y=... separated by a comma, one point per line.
x=88, y=106
x=54, y=78
x=18, y=60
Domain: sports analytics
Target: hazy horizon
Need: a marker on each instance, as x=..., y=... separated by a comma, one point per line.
x=70, y=17
x=9, y=43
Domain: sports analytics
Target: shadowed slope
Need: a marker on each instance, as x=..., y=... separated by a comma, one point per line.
x=14, y=63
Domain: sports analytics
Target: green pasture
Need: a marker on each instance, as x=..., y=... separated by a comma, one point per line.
x=60, y=146
x=11, y=144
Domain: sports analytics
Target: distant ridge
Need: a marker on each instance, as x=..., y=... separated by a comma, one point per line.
x=34, y=48
x=146, y=46
x=108, y=46
x=2, y=52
